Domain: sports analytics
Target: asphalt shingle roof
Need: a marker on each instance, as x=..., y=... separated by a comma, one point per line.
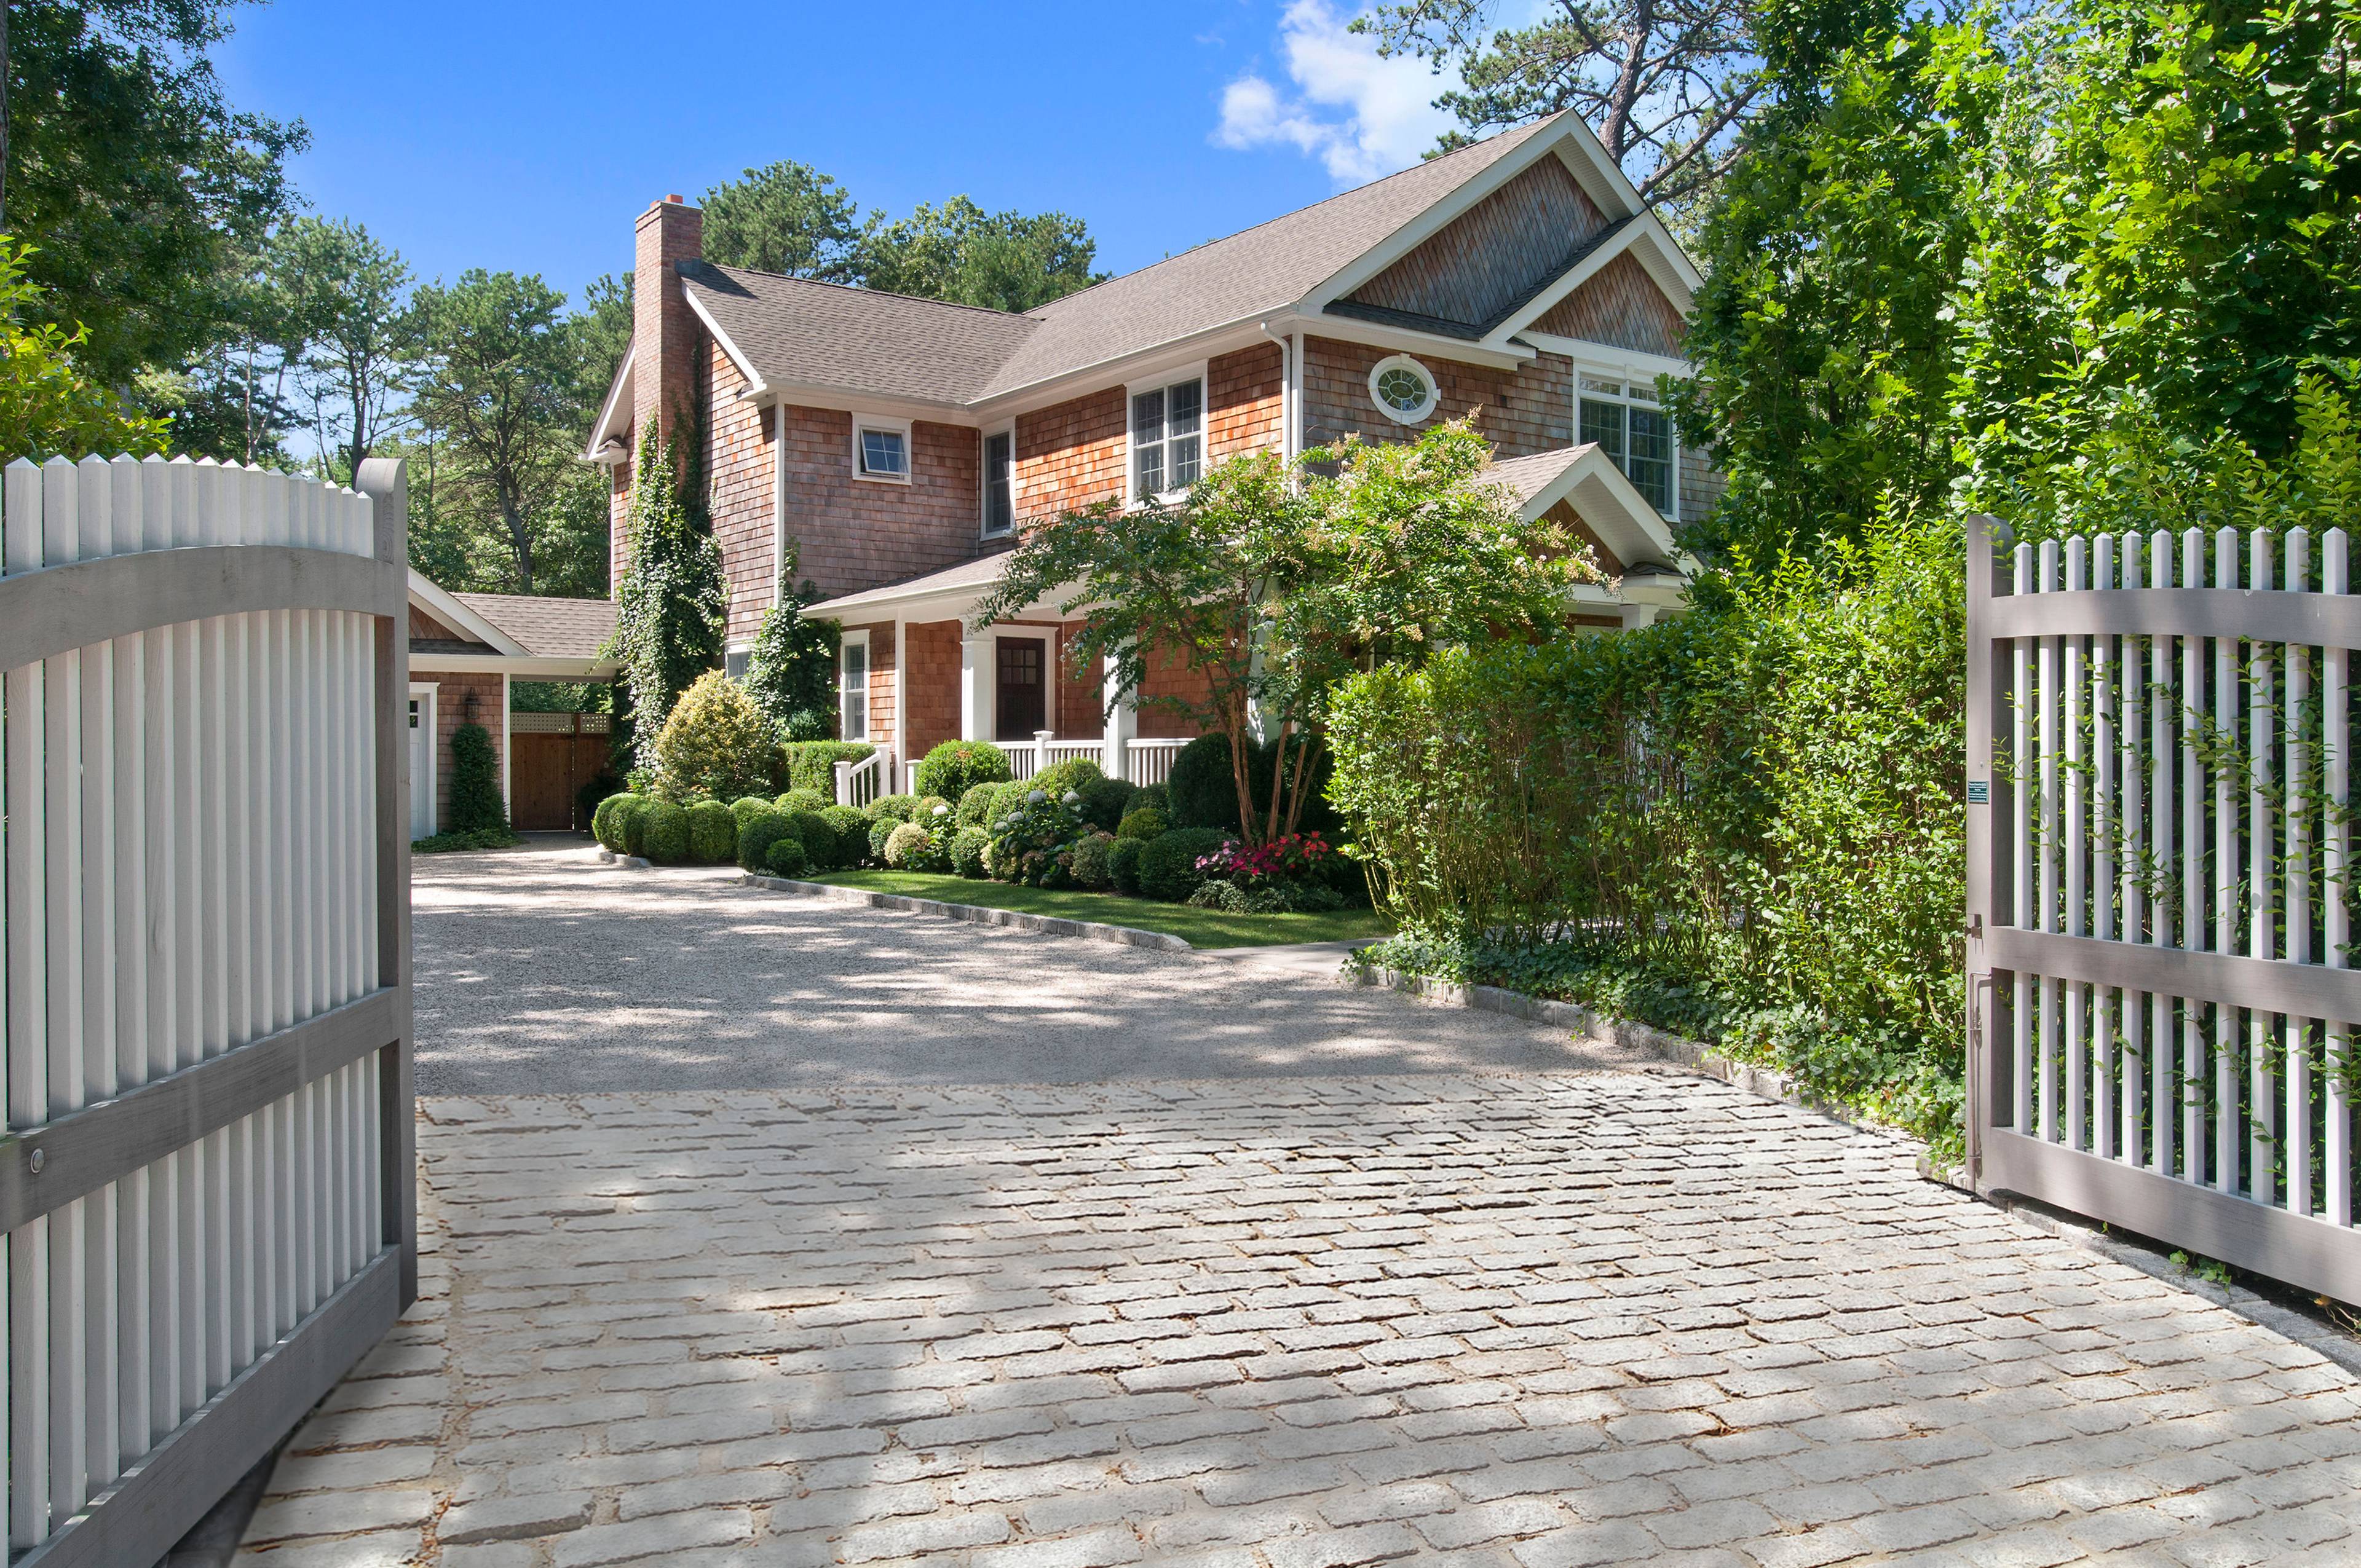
x=800, y=333
x=549, y=628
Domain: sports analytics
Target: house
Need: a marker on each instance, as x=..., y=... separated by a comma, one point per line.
x=901, y=443
x=466, y=651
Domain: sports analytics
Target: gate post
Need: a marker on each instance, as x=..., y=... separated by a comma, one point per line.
x=1990, y=828
x=386, y=482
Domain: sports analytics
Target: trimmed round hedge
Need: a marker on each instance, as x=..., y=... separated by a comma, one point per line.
x=906, y=842
x=1143, y=822
x=1123, y=863
x=953, y=768
x=975, y=803
x=762, y=831
x=712, y=833
x=744, y=811
x=607, y=822
x=1167, y=865
x=666, y=833
x=631, y=823
x=849, y=833
x=967, y=853
x=785, y=858
x=803, y=800
x=1092, y=869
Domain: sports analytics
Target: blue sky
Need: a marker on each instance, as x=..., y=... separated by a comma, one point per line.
x=503, y=134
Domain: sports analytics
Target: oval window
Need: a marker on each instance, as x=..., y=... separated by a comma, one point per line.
x=1403, y=389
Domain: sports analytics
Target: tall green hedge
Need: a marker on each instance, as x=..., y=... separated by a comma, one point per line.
x=1765, y=795
x=811, y=764
x=476, y=804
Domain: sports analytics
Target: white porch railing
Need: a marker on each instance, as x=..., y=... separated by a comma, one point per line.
x=857, y=783
x=1150, y=761
x=1025, y=761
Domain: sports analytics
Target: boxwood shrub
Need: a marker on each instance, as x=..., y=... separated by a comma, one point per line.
x=1168, y=865
x=1123, y=863
x=811, y=764
x=967, y=853
x=848, y=831
x=975, y=803
x=712, y=833
x=760, y=832
x=1090, y=858
x=806, y=800
x=631, y=821
x=746, y=810
x=607, y=822
x=953, y=768
x=891, y=808
x=666, y=833
x=785, y=858
x=1106, y=800
x=1143, y=822
x=880, y=831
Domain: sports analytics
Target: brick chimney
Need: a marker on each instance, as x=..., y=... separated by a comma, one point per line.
x=663, y=332
x=664, y=341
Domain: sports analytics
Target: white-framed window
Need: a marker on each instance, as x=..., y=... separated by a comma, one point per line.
x=999, y=483
x=1168, y=435
x=881, y=449
x=1620, y=415
x=852, y=687
x=1403, y=389
x=734, y=662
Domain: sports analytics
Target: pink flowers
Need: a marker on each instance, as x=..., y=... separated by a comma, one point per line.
x=1282, y=860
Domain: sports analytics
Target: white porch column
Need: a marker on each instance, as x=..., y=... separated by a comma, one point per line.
x=976, y=675
x=1122, y=720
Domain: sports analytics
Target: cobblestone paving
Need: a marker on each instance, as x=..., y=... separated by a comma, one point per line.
x=1544, y=1319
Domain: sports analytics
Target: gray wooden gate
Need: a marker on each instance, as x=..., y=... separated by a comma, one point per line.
x=2162, y=997
x=206, y=1181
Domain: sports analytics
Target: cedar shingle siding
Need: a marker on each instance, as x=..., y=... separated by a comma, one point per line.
x=738, y=471
x=1621, y=305
x=1519, y=412
x=1493, y=255
x=857, y=534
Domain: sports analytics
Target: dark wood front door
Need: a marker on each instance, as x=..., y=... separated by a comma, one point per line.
x=1021, y=706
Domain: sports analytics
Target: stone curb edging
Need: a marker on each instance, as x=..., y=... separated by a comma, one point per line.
x=1607, y=1029
x=1016, y=919
x=629, y=863
x=2327, y=1339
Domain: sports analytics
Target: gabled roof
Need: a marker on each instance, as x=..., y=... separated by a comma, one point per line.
x=791, y=335
x=548, y=628
x=1264, y=269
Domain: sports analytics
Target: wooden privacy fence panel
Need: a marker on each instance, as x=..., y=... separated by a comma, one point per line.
x=203, y=950
x=2162, y=994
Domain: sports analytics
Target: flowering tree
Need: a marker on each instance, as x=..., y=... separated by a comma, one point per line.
x=1270, y=581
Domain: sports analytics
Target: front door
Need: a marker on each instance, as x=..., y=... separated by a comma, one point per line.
x=1020, y=706
x=422, y=766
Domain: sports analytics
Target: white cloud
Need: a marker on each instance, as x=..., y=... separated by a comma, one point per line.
x=1359, y=114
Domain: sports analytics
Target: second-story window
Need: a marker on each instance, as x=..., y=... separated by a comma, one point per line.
x=1167, y=438
x=1622, y=419
x=881, y=450
x=999, y=484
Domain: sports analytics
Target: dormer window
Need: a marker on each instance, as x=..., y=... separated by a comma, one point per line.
x=881, y=449
x=1621, y=418
x=1167, y=439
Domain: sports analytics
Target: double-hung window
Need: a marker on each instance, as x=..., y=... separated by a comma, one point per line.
x=1623, y=419
x=1167, y=438
x=853, y=690
x=999, y=484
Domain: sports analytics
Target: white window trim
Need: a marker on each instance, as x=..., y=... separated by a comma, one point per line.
x=983, y=466
x=731, y=652
x=1028, y=631
x=868, y=673
x=1609, y=370
x=1425, y=411
x=861, y=421
x=1172, y=375
x=427, y=694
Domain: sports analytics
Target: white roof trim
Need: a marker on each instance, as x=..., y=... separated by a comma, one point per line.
x=530, y=667
x=1617, y=512
x=603, y=427
x=1564, y=283
x=1633, y=362
x=755, y=385
x=1438, y=214
x=445, y=608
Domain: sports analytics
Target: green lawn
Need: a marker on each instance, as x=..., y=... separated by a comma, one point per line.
x=1198, y=927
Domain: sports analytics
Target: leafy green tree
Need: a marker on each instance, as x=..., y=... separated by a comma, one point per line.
x=791, y=670
x=48, y=406
x=1825, y=336
x=787, y=218
x=346, y=298
x=1667, y=85
x=497, y=379
x=142, y=183
x=1270, y=581
x=1004, y=261
x=670, y=605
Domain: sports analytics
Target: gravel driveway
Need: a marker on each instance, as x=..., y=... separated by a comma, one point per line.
x=544, y=970
x=917, y=1242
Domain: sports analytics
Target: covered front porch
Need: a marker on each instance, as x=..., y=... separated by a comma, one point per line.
x=912, y=671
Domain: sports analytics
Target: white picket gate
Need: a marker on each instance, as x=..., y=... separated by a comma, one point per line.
x=206, y=1182
x=2162, y=998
